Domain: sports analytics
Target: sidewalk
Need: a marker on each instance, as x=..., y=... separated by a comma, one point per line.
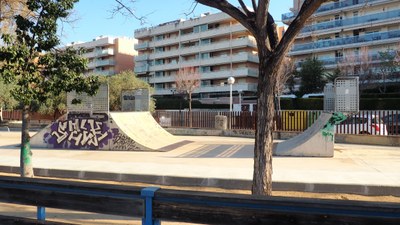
x=219, y=162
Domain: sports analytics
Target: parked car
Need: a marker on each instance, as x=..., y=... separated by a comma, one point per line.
x=362, y=124
x=392, y=123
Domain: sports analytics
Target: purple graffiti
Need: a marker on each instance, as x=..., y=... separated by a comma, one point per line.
x=79, y=133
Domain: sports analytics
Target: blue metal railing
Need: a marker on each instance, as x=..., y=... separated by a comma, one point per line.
x=331, y=6
x=395, y=14
x=347, y=40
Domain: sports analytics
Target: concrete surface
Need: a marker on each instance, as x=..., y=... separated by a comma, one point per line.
x=220, y=162
x=310, y=143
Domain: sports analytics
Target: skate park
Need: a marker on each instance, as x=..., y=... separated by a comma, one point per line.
x=212, y=161
x=202, y=161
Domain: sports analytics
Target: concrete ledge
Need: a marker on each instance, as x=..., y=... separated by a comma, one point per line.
x=368, y=190
x=368, y=139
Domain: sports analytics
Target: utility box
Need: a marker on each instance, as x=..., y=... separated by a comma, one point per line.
x=221, y=122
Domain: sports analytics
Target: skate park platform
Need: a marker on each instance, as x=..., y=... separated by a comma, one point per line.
x=225, y=162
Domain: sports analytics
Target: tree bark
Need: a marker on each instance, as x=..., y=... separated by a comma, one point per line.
x=262, y=173
x=26, y=167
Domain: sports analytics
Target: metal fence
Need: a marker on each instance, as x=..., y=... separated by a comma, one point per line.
x=378, y=122
x=383, y=122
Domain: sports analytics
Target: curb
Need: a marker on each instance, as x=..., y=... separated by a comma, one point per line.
x=368, y=190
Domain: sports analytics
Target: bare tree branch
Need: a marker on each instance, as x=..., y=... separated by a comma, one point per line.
x=254, y=5
x=262, y=15
x=226, y=7
x=245, y=9
x=124, y=9
x=272, y=32
x=193, y=7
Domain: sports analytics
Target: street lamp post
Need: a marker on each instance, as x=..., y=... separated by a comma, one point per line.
x=231, y=81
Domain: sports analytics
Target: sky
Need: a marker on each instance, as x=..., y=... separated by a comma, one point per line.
x=92, y=18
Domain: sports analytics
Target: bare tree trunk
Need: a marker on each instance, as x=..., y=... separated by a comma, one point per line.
x=190, y=110
x=26, y=167
x=262, y=173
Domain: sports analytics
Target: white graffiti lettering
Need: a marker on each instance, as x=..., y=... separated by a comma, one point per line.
x=81, y=132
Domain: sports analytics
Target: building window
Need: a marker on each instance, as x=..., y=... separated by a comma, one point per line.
x=205, y=41
x=338, y=54
x=205, y=55
x=159, y=37
x=205, y=69
x=159, y=73
x=159, y=62
x=159, y=49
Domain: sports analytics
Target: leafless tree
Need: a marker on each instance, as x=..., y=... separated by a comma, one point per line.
x=358, y=64
x=187, y=80
x=286, y=72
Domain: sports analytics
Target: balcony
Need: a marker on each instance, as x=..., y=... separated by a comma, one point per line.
x=225, y=88
x=213, y=32
x=213, y=88
x=141, y=69
x=235, y=43
x=104, y=72
x=103, y=52
x=376, y=38
x=141, y=46
x=331, y=62
x=106, y=62
x=331, y=6
x=165, y=66
x=241, y=57
x=359, y=20
x=162, y=79
x=224, y=74
x=142, y=57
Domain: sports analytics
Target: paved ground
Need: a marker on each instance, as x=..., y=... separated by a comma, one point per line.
x=220, y=161
x=209, y=161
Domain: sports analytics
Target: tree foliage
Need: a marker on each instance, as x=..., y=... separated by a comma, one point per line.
x=125, y=80
x=312, y=77
x=6, y=100
x=30, y=60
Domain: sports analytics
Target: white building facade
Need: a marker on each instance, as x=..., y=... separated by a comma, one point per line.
x=348, y=32
x=215, y=44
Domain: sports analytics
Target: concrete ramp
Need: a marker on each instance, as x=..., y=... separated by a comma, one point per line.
x=124, y=131
x=144, y=130
x=310, y=143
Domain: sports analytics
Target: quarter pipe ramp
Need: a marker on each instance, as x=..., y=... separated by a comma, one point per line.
x=129, y=131
x=311, y=142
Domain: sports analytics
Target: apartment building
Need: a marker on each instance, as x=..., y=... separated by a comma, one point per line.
x=218, y=46
x=348, y=32
x=108, y=55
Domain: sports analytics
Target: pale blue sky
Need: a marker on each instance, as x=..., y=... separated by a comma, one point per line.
x=92, y=17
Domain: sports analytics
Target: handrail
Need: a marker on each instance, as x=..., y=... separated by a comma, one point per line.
x=190, y=206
